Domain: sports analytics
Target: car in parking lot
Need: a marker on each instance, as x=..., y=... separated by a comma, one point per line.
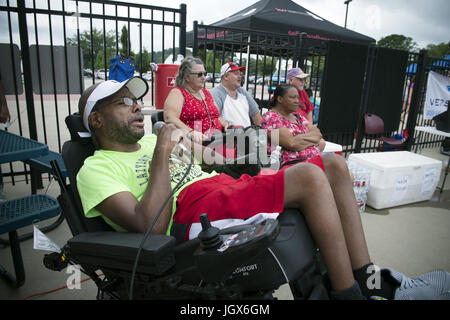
x=148, y=75
x=88, y=73
x=273, y=82
x=101, y=74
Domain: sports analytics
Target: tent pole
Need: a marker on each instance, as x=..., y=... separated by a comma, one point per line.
x=247, y=62
x=346, y=12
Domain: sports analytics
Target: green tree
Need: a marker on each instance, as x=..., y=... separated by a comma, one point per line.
x=124, y=41
x=263, y=67
x=438, y=50
x=92, y=46
x=212, y=64
x=398, y=41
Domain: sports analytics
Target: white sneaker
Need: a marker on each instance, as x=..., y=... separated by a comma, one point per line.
x=433, y=285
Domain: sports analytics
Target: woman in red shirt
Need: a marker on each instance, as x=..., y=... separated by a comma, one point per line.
x=297, y=77
x=190, y=107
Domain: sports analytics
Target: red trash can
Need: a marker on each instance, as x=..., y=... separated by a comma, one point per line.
x=164, y=82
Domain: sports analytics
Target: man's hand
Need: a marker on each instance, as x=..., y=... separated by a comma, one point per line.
x=168, y=137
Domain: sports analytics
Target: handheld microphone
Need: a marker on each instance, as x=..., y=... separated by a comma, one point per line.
x=180, y=150
x=157, y=126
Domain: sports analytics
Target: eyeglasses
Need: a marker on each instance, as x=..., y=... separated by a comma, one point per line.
x=200, y=74
x=131, y=101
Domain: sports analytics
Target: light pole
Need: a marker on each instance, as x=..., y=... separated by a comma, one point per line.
x=346, y=11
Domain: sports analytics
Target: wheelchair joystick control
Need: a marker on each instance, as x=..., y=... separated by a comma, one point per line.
x=209, y=236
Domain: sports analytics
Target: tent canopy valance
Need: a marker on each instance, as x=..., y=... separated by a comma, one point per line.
x=281, y=17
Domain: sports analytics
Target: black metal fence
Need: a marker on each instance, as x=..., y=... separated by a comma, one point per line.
x=52, y=50
x=440, y=66
x=268, y=56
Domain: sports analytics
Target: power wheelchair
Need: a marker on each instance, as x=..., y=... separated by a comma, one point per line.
x=270, y=254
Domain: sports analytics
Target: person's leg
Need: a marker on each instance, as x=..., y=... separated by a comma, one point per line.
x=363, y=269
x=341, y=185
x=307, y=188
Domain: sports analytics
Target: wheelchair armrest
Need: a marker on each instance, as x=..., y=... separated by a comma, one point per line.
x=118, y=250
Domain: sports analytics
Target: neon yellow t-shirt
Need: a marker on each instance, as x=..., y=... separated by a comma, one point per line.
x=106, y=173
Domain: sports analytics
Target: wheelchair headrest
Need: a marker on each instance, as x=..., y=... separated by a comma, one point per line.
x=157, y=116
x=76, y=128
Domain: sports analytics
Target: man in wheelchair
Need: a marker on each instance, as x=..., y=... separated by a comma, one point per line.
x=129, y=177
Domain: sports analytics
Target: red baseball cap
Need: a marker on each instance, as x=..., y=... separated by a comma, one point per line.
x=230, y=66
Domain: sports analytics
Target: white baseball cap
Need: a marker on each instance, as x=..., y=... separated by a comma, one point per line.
x=137, y=86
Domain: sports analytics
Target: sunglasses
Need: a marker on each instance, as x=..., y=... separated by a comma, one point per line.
x=200, y=74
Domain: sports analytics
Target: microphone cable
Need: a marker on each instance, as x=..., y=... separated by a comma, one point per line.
x=149, y=229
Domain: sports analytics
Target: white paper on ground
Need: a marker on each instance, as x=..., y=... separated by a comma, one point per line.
x=42, y=242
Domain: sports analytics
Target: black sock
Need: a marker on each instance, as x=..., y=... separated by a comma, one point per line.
x=352, y=293
x=372, y=283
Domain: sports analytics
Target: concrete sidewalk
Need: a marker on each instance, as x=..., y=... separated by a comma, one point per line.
x=412, y=239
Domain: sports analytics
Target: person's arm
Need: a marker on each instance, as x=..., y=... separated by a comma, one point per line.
x=294, y=143
x=309, y=117
x=253, y=108
x=218, y=94
x=136, y=216
x=4, y=112
x=172, y=109
x=257, y=119
x=225, y=124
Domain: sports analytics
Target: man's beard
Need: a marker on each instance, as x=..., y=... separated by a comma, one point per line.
x=124, y=133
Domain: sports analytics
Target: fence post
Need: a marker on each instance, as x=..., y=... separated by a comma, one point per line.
x=25, y=55
x=36, y=180
x=301, y=51
x=296, y=58
x=370, y=64
x=195, y=40
x=183, y=30
x=416, y=97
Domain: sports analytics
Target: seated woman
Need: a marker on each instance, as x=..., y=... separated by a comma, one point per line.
x=298, y=138
x=188, y=106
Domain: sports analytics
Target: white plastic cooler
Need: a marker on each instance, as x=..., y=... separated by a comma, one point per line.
x=331, y=147
x=398, y=177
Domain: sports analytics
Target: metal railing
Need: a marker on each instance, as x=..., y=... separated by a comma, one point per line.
x=268, y=56
x=56, y=47
x=51, y=50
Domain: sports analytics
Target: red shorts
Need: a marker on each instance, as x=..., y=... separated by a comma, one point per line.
x=223, y=197
x=317, y=160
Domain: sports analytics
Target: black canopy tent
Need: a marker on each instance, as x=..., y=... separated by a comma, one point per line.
x=283, y=17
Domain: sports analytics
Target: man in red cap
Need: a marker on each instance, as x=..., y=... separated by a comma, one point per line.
x=234, y=103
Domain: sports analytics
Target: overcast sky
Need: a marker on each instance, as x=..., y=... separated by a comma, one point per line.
x=426, y=21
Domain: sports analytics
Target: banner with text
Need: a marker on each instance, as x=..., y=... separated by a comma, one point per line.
x=437, y=96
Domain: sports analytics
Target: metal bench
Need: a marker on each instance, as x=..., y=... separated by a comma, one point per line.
x=18, y=213
x=43, y=163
